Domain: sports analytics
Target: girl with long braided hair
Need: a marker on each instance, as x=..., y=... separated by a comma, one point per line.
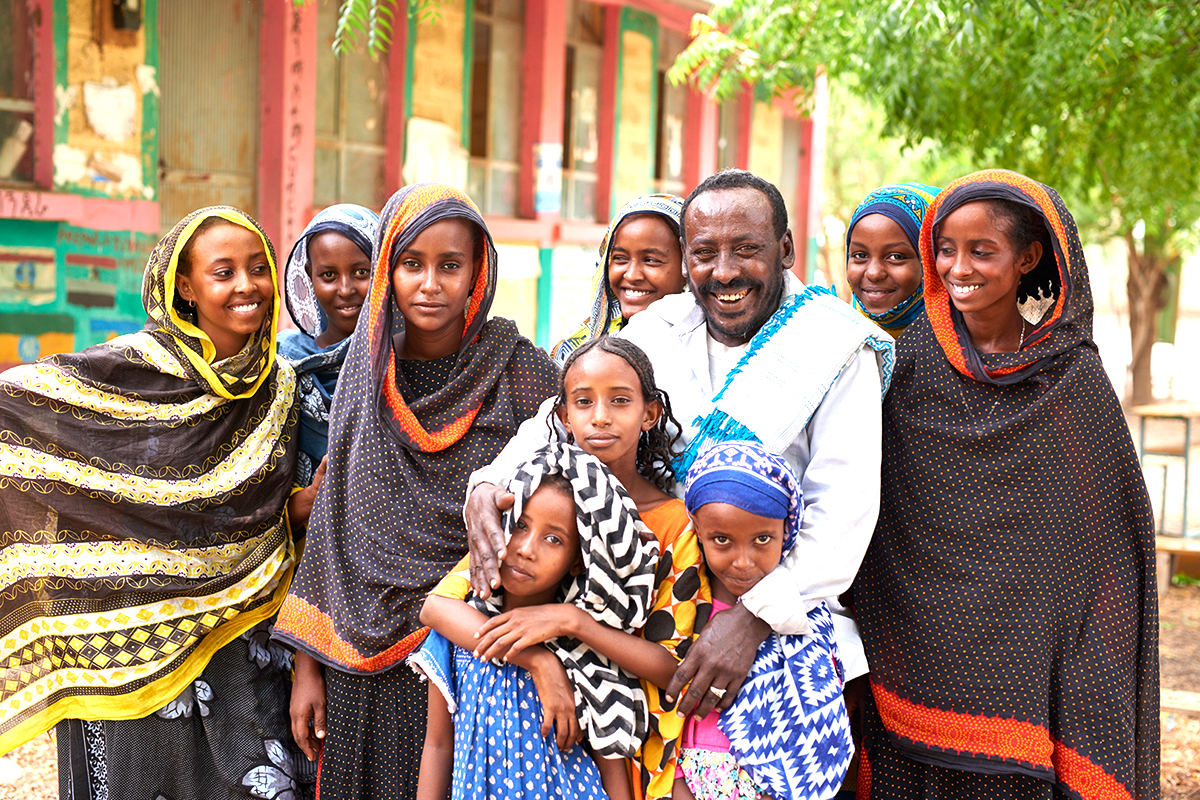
x=609, y=406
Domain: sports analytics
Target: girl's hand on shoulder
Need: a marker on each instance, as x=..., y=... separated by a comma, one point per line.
x=513, y=631
x=557, y=696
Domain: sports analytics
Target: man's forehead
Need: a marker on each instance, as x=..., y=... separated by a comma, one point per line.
x=746, y=204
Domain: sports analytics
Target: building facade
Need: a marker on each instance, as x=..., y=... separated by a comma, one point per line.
x=116, y=119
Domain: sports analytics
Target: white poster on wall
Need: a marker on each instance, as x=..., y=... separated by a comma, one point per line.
x=434, y=154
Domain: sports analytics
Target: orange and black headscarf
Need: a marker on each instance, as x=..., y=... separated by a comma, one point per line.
x=1007, y=601
x=387, y=524
x=1055, y=297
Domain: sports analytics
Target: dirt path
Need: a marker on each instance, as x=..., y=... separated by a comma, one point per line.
x=1179, y=660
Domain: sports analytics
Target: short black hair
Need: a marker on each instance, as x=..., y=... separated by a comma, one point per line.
x=741, y=179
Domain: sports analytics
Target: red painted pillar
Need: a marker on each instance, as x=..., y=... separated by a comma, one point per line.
x=287, y=92
x=745, y=121
x=41, y=20
x=397, y=103
x=543, y=87
x=701, y=132
x=606, y=126
x=800, y=231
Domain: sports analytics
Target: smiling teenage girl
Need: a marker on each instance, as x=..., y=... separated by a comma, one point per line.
x=883, y=265
x=640, y=261
x=1007, y=600
x=142, y=491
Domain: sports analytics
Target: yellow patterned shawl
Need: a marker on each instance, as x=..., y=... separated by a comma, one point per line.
x=142, y=525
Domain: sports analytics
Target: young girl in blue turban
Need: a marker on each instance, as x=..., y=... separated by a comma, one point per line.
x=787, y=735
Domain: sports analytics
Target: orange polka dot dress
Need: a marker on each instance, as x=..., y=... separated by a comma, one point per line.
x=1007, y=601
x=387, y=523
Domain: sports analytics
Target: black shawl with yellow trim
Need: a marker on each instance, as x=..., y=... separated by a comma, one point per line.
x=387, y=524
x=1007, y=601
x=142, y=493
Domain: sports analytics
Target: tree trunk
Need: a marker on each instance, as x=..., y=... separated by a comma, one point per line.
x=1147, y=296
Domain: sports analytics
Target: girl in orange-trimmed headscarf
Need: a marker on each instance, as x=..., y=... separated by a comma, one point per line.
x=1007, y=601
x=431, y=389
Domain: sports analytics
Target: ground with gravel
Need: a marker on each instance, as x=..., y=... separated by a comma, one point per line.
x=35, y=776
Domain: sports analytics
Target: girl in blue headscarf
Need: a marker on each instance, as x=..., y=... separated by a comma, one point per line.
x=883, y=264
x=325, y=285
x=787, y=734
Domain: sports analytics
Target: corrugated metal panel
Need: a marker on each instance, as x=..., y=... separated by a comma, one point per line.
x=208, y=146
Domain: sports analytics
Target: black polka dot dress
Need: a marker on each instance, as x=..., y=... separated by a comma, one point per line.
x=1007, y=601
x=387, y=523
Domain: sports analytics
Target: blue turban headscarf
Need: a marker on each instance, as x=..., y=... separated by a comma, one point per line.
x=788, y=726
x=905, y=204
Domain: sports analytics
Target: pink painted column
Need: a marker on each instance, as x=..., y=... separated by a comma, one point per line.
x=41, y=19
x=700, y=139
x=745, y=118
x=288, y=92
x=606, y=126
x=397, y=100
x=800, y=231
x=543, y=86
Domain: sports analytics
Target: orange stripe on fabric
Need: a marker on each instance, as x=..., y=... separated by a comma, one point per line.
x=428, y=442
x=862, y=789
x=1079, y=774
x=968, y=734
x=306, y=622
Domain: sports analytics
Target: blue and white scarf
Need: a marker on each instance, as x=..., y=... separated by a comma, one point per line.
x=785, y=373
x=905, y=204
x=788, y=727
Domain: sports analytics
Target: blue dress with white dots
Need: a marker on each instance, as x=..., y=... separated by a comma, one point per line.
x=499, y=751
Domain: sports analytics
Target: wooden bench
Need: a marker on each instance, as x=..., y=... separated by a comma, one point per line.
x=1169, y=549
x=1182, y=702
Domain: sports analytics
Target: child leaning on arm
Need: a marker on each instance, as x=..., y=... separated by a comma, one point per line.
x=489, y=717
x=787, y=734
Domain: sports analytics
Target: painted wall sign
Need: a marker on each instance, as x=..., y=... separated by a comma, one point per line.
x=27, y=275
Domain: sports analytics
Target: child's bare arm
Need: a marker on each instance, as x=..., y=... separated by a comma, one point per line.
x=308, y=703
x=680, y=790
x=458, y=622
x=437, y=759
x=520, y=628
x=614, y=775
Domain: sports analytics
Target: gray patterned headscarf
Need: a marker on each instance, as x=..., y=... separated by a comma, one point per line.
x=356, y=223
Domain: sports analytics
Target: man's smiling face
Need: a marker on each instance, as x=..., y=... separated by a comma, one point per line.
x=735, y=262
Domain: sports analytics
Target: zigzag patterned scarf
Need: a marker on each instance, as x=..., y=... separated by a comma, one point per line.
x=616, y=587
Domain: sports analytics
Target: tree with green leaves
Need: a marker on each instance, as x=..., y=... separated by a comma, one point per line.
x=1098, y=98
x=371, y=23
